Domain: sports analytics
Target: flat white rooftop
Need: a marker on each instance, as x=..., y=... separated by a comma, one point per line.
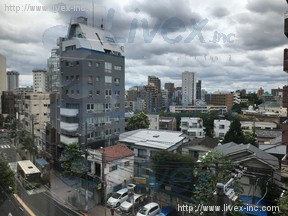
x=160, y=139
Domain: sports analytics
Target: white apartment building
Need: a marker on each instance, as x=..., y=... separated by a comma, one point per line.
x=221, y=127
x=40, y=82
x=36, y=112
x=192, y=127
x=188, y=88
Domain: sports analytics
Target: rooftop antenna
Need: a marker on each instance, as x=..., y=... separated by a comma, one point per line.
x=93, y=13
x=102, y=25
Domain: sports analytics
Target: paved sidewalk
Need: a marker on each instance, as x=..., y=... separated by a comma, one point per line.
x=61, y=188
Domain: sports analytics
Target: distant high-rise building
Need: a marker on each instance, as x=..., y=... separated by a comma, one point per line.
x=3, y=76
x=12, y=80
x=170, y=88
x=53, y=73
x=198, y=90
x=220, y=99
x=40, y=82
x=188, y=88
x=277, y=92
x=153, y=80
x=260, y=92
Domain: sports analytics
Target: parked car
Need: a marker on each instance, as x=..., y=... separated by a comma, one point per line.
x=117, y=198
x=168, y=211
x=131, y=187
x=150, y=209
x=127, y=205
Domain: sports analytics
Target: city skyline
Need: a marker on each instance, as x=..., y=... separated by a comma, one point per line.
x=182, y=36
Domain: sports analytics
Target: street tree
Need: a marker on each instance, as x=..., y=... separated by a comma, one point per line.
x=174, y=170
x=235, y=133
x=72, y=161
x=283, y=205
x=28, y=144
x=7, y=180
x=2, y=119
x=138, y=121
x=214, y=168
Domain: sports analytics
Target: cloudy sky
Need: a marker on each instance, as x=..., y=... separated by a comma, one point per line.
x=230, y=44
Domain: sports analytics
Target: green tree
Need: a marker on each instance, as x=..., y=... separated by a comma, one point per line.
x=283, y=205
x=28, y=145
x=214, y=168
x=7, y=180
x=235, y=133
x=72, y=161
x=236, y=108
x=138, y=121
x=174, y=170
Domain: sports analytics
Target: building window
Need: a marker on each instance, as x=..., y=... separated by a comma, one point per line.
x=108, y=92
x=77, y=77
x=72, y=92
x=89, y=63
x=90, y=93
x=72, y=78
x=142, y=153
x=97, y=92
x=90, y=79
x=108, y=67
x=77, y=92
x=107, y=106
x=127, y=163
x=221, y=126
x=97, y=78
x=112, y=168
x=116, y=80
x=108, y=79
x=118, y=68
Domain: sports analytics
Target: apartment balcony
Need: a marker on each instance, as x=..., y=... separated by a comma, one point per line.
x=70, y=127
x=69, y=112
x=68, y=140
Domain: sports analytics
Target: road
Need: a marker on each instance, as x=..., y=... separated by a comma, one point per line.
x=39, y=201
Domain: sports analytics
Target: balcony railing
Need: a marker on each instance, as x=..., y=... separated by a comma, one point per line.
x=68, y=140
x=69, y=112
x=69, y=126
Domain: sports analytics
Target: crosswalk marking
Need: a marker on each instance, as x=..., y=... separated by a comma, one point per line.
x=5, y=146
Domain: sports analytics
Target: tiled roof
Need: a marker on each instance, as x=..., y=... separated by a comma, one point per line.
x=268, y=133
x=231, y=148
x=116, y=152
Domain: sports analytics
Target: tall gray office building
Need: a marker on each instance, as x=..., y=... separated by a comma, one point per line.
x=91, y=99
x=12, y=80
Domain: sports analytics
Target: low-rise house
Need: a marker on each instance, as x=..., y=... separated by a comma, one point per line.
x=259, y=164
x=145, y=142
x=192, y=127
x=267, y=136
x=114, y=164
x=248, y=126
x=221, y=127
x=167, y=123
x=199, y=147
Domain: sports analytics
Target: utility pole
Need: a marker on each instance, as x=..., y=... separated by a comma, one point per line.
x=33, y=143
x=86, y=156
x=104, y=177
